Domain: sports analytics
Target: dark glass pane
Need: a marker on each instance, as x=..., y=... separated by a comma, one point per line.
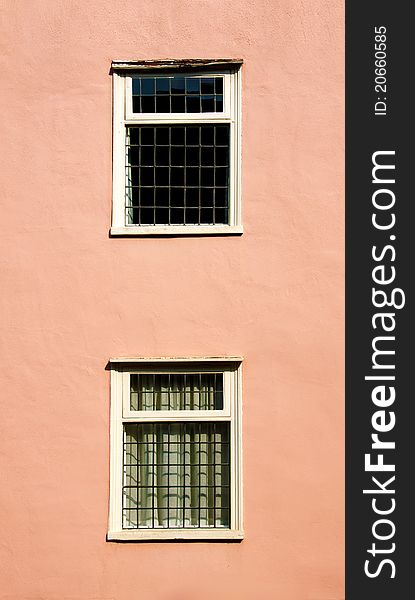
x=224, y=450
x=177, y=135
x=221, y=215
x=219, y=85
x=207, y=177
x=147, y=155
x=206, y=197
x=136, y=87
x=147, y=135
x=192, y=85
x=192, y=215
x=224, y=432
x=207, y=85
x=177, y=156
x=162, y=176
x=162, y=216
x=208, y=135
x=134, y=155
x=219, y=104
x=162, y=85
x=206, y=215
x=178, y=104
x=147, y=104
x=192, y=156
x=177, y=197
x=133, y=215
x=163, y=104
x=193, y=104
x=207, y=157
x=134, y=134
x=147, y=196
x=221, y=156
x=177, y=216
x=146, y=216
x=177, y=85
x=136, y=104
x=147, y=176
x=134, y=196
x=162, y=196
x=221, y=176
x=192, y=136
x=162, y=156
x=192, y=197
x=221, y=197
x=177, y=176
x=147, y=86
x=162, y=136
x=133, y=174
x=208, y=104
x=222, y=136
x=192, y=176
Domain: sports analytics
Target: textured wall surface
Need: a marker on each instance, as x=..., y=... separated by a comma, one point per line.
x=72, y=297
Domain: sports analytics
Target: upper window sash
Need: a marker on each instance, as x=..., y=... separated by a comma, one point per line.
x=182, y=117
x=225, y=413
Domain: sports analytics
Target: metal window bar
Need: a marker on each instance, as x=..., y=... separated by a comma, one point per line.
x=204, y=511
x=181, y=391
x=177, y=94
x=177, y=174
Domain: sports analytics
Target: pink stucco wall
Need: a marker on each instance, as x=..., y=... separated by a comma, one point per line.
x=72, y=297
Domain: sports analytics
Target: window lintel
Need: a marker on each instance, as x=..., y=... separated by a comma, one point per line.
x=176, y=64
x=175, y=359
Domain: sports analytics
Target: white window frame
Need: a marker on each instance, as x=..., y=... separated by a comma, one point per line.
x=121, y=368
x=123, y=116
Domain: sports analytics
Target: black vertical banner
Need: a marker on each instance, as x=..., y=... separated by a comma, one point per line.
x=380, y=308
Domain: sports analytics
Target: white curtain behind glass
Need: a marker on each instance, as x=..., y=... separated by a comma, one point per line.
x=176, y=475
x=196, y=391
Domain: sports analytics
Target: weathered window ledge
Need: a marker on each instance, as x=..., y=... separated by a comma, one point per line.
x=176, y=64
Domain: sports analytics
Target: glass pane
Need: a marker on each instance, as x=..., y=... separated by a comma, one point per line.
x=162, y=85
x=173, y=167
x=136, y=87
x=147, y=86
x=176, y=391
x=148, y=104
x=177, y=94
x=208, y=85
x=192, y=85
x=177, y=85
x=208, y=104
x=181, y=479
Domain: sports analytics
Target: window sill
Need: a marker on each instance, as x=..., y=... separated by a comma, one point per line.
x=201, y=535
x=179, y=230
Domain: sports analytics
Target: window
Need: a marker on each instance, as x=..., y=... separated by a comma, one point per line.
x=176, y=148
x=175, y=449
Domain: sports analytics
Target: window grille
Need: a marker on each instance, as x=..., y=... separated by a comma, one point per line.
x=176, y=475
x=177, y=94
x=176, y=391
x=177, y=175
